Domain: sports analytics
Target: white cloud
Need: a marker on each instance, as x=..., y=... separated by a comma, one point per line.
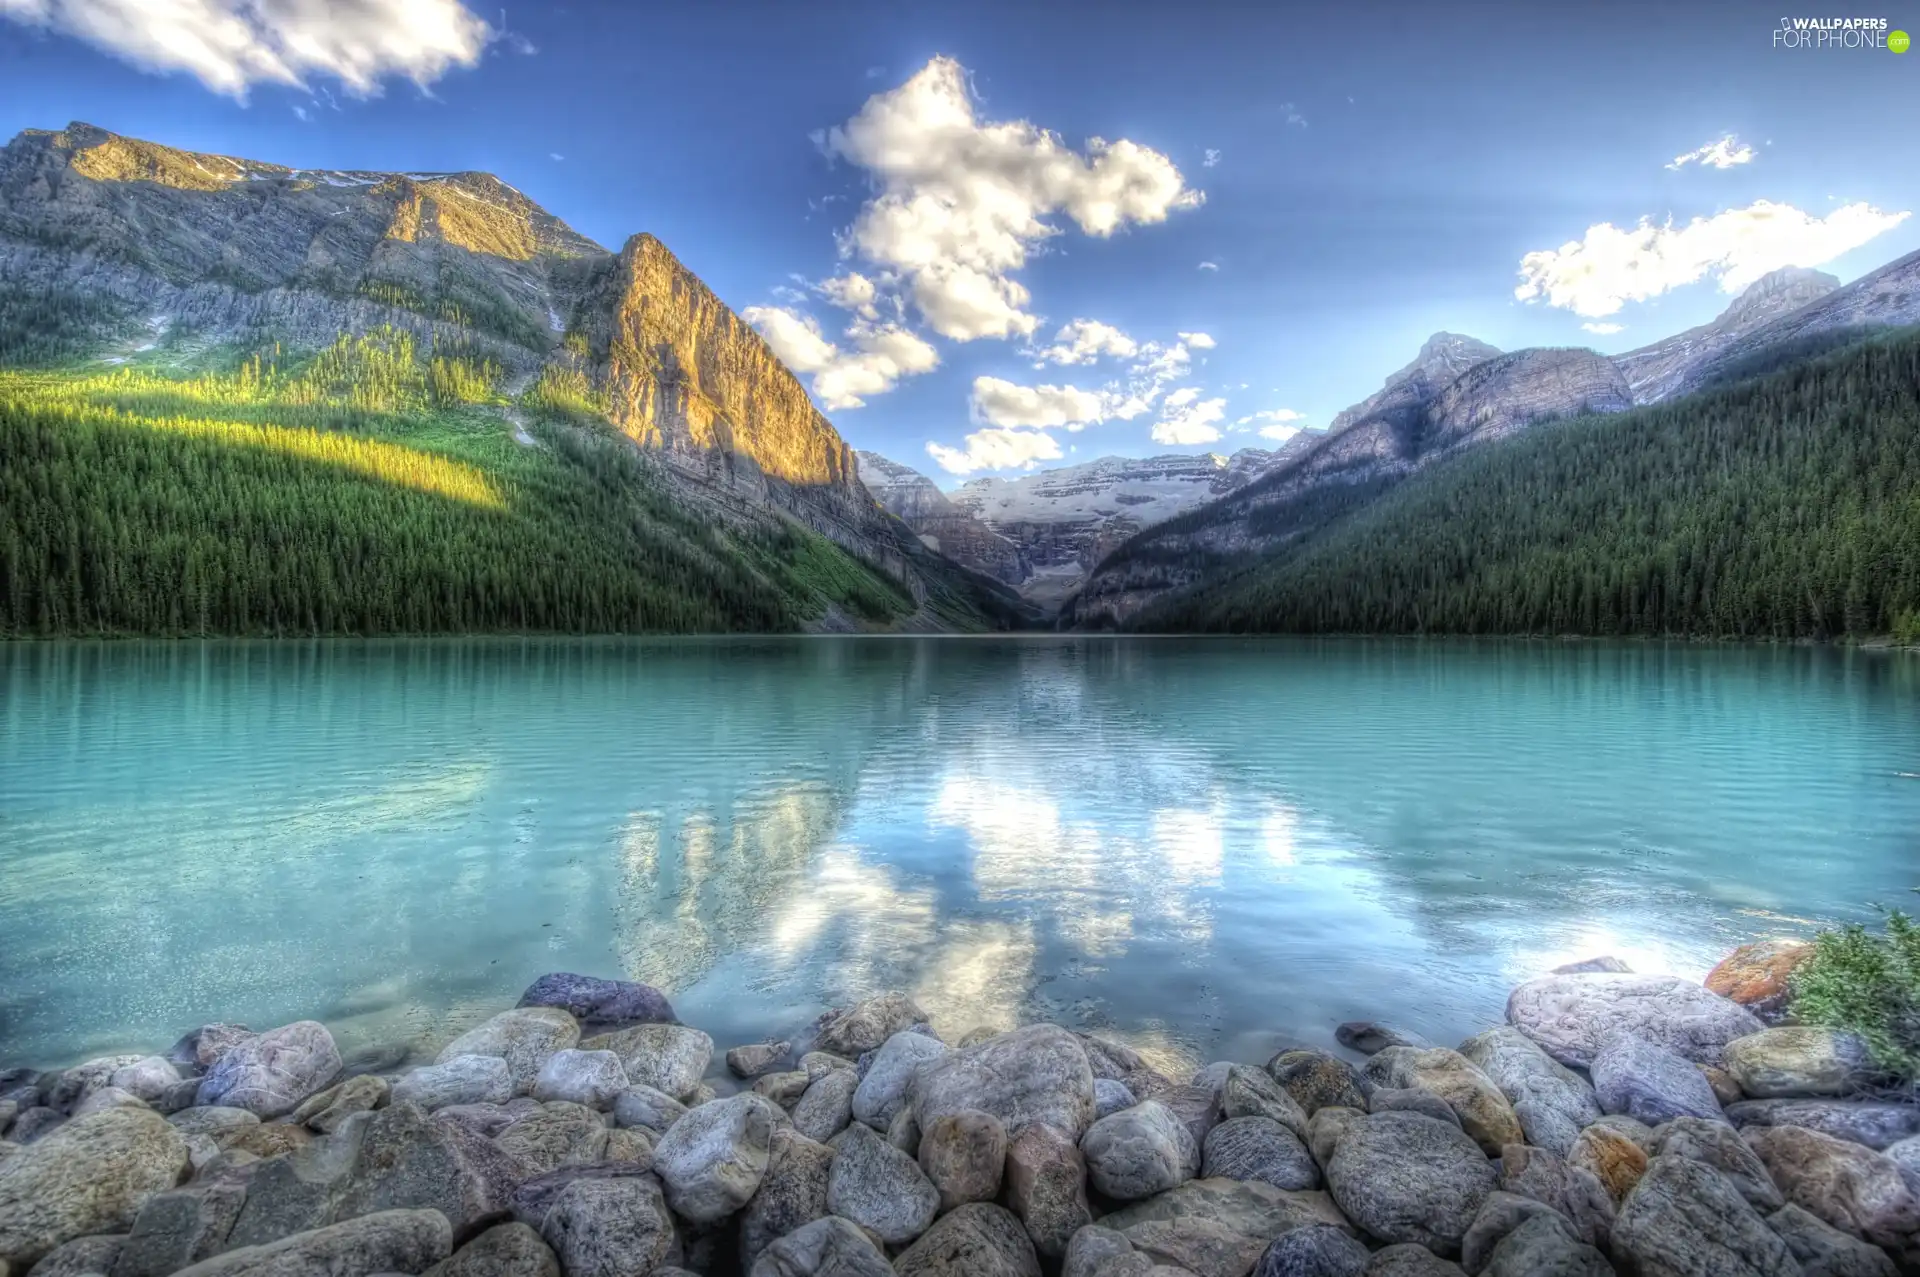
x=1604, y=330
x=997, y=449
x=851, y=291
x=1293, y=114
x=1211, y=158
x=1182, y=397
x=1209, y=265
x=1722, y=154
x=960, y=203
x=1190, y=420
x=1279, y=433
x=1002, y=403
x=299, y=112
x=881, y=355
x=232, y=45
x=1199, y=341
x=1596, y=275
x=1084, y=341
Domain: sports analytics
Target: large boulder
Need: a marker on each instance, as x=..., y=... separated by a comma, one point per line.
x=827, y=1247
x=1047, y=1188
x=1259, y=1148
x=505, y=1250
x=884, y=1091
x=464, y=1079
x=826, y=1106
x=976, y=1240
x=1313, y=1250
x=712, y=1160
x=1573, y=1016
x=1576, y=1194
x=180, y=1227
x=1552, y=1102
x=396, y=1241
x=879, y=1187
x=1825, y=1251
x=524, y=1037
x=592, y=1000
x=146, y=1079
x=1474, y=1098
x=1791, y=1062
x=1036, y=1074
x=1543, y=1247
x=964, y=1155
x=670, y=1058
x=1610, y=1156
x=1218, y=1227
x=1683, y=1219
x=1499, y=1215
x=616, y=1226
x=271, y=1073
x=644, y=1108
x=1874, y=1123
x=593, y=1078
x=1848, y=1185
x=855, y=1030
x=1139, y=1152
x=792, y=1193
x=1718, y=1145
x=1317, y=1080
x=1758, y=976
x=1251, y=1092
x=91, y=1175
x=1406, y=1178
x=406, y=1160
x=560, y=1134
x=1649, y=1083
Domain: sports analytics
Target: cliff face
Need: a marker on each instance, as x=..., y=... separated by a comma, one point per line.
x=912, y=498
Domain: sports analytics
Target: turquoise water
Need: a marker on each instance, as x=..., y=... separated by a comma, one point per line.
x=1208, y=848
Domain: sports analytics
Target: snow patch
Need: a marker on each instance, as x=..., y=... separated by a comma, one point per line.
x=554, y=321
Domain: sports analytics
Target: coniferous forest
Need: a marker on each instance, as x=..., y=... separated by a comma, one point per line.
x=1786, y=507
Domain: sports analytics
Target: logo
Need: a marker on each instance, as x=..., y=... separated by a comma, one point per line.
x=1838, y=33
x=1897, y=41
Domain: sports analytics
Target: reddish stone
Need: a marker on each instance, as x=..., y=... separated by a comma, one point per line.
x=1755, y=975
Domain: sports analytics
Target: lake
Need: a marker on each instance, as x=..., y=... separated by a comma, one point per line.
x=1207, y=848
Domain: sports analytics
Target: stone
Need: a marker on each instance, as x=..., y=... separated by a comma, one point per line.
x=1110, y=1096
x=35, y=1123
x=1825, y=1251
x=1757, y=976
x=92, y=1175
x=592, y=1000
x=712, y=1160
x=80, y=1257
x=1631, y=1128
x=291, y=1194
x=1552, y=1102
x=1046, y=1180
x=1725, y=1089
x=1252, y=1092
x=1218, y=1227
x=1314, y=1250
x=267, y=1139
x=1096, y=1251
x=1796, y=1062
x=629, y=1146
x=203, y=1047
x=271, y=1073
x=1541, y=1246
x=1848, y=1185
x=1389, y=1099
x=180, y=1227
x=1684, y=1219
x=395, y=1241
x=1370, y=1037
x=976, y=1240
x=1874, y=1123
x=826, y=1107
x=534, y=1198
x=108, y=1097
x=784, y=1089
x=73, y=1086
x=1718, y=1145
x=1315, y=1080
x=1616, y=1161
x=1328, y=1127
x=1906, y=1154
x=377, y=1057
x=1576, y=1193
x=1259, y=1148
x=883, y=1091
x=1409, y=1260
x=963, y=1156
x=1139, y=1152
x=616, y=1226
x=488, y=1119
x=1035, y=1074
x=146, y=1079
x=525, y=1037
x=827, y=1247
x=463, y=1079
x=1407, y=1178
x=561, y=1134
x=759, y=1057
x=505, y=1250
x=1480, y=1105
x=1572, y=1017
x=1498, y=1216
x=670, y=1058
x=792, y=1193
x=593, y=1078
x=1649, y=1083
x=327, y=1110
x=648, y=1109
x=879, y=1187
x=1197, y=1107
x=904, y=1133
x=864, y=1026
x=405, y=1160
x=1123, y=1064
x=817, y=1063
x=1587, y=966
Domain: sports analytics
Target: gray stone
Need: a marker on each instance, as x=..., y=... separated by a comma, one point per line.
x=35, y=1123
x=1649, y=1083
x=270, y=1074
x=1313, y=1250
x=963, y=1156
x=976, y=1240
x=74, y=1085
x=1251, y=1092
x=1120, y=1063
x=1259, y=1148
x=1632, y=1128
x=561, y=1134
x=1683, y=1219
x=181, y=1227
x=1036, y=1074
x=883, y=1091
x=670, y=1058
x=1874, y=1123
x=609, y=1227
x=1480, y=1106
x=82, y=1257
x=826, y=1107
x=1541, y=1246
x=1410, y=1260
x=535, y=1197
x=1317, y=1080
x=1825, y=1251
x=1552, y=1102
x=792, y=1193
x=1407, y=1178
x=816, y=1063
x=592, y=1000
x=1219, y=1227
x=396, y=1241
x=1577, y=1194
x=1499, y=1215
x=1110, y=1096
x=404, y=1160
x=593, y=1078
x=1139, y=1152
x=784, y=1089
x=525, y=1037
x=863, y=1027
x=756, y=1058
x=1572, y=1017
x=1095, y=1250
x=1906, y=1155
x=181, y=1095
x=505, y=1250
x=904, y=1133
x=1718, y=1145
x=462, y=1079
x=1369, y=1037
x=1848, y=1185
x=1408, y=1099
x=146, y=1079
x=92, y=1175
x=712, y=1160
x=1328, y=1127
x=488, y=1119
x=1047, y=1188
x=326, y=1111
x=291, y=1194
x=204, y=1046
x=827, y=1247
x=648, y=1109
x=100, y=1099
x=1795, y=1062
x=1197, y=1107
x=879, y=1187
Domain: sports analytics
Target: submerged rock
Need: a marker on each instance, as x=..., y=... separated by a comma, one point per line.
x=863, y=1027
x=1370, y=1037
x=1572, y=1017
x=271, y=1073
x=592, y=1000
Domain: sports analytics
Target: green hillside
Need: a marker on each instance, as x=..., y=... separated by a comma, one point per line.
x=1786, y=507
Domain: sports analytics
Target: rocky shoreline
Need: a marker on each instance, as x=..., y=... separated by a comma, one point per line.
x=1617, y=1123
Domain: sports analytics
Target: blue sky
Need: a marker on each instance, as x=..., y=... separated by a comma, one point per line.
x=905, y=197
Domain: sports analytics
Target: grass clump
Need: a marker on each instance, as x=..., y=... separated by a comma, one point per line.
x=1868, y=984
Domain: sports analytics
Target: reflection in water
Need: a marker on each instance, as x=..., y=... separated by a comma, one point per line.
x=1206, y=849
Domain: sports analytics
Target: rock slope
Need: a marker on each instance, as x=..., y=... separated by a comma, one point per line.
x=941, y=525
x=1674, y=366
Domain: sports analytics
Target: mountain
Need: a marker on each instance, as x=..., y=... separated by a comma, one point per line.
x=449, y=316
x=941, y=525
x=1443, y=357
x=1674, y=366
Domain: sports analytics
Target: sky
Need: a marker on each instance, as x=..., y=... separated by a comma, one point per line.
x=992, y=237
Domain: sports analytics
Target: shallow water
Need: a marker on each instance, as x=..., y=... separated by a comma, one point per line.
x=1206, y=847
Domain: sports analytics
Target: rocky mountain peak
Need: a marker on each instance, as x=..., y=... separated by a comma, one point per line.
x=1442, y=357
x=1776, y=293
